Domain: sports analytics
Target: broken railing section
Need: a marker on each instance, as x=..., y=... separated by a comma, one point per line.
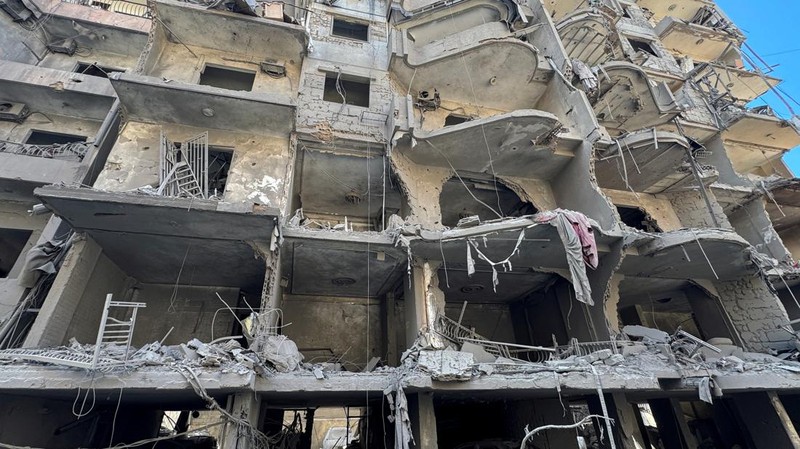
x=72, y=151
x=575, y=230
x=183, y=167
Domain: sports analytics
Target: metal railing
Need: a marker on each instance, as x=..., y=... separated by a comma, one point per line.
x=68, y=151
x=126, y=7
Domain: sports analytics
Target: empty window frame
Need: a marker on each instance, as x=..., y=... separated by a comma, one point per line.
x=638, y=219
x=37, y=137
x=643, y=45
x=350, y=30
x=454, y=119
x=227, y=78
x=219, y=163
x=352, y=90
x=93, y=69
x=12, y=242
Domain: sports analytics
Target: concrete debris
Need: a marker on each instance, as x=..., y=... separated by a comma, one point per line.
x=704, y=390
x=447, y=365
x=282, y=353
x=478, y=353
x=646, y=333
x=229, y=356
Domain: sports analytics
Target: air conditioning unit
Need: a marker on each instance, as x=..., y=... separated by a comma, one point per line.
x=13, y=112
x=67, y=46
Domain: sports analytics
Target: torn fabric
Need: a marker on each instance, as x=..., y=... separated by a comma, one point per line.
x=505, y=263
x=39, y=261
x=581, y=248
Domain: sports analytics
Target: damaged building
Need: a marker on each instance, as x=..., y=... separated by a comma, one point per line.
x=551, y=224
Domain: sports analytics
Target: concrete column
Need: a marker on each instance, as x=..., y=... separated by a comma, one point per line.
x=668, y=426
x=629, y=431
x=414, y=302
x=65, y=294
x=390, y=329
x=245, y=406
x=755, y=311
x=764, y=421
x=423, y=420
x=612, y=304
x=424, y=301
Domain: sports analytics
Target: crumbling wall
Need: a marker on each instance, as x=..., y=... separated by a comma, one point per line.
x=335, y=328
x=534, y=191
x=691, y=208
x=755, y=312
x=176, y=62
x=752, y=222
x=257, y=174
x=327, y=120
x=422, y=186
x=192, y=312
x=638, y=27
x=658, y=207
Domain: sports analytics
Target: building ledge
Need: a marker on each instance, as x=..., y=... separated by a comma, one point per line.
x=150, y=236
x=222, y=30
x=629, y=100
x=645, y=161
x=507, y=63
x=685, y=254
x=696, y=41
x=155, y=100
x=523, y=143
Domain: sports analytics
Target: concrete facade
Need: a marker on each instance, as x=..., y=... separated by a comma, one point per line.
x=349, y=224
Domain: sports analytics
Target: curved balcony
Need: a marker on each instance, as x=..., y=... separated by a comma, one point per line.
x=522, y=143
x=754, y=140
x=479, y=66
x=685, y=254
x=646, y=161
x=588, y=36
x=627, y=100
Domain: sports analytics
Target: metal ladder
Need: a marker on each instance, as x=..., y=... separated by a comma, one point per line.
x=114, y=331
x=184, y=180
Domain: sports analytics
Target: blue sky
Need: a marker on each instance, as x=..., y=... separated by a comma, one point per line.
x=771, y=27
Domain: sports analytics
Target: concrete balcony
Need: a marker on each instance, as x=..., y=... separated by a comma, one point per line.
x=524, y=143
x=646, y=161
x=589, y=35
x=741, y=85
x=698, y=42
x=155, y=100
x=685, y=254
x=755, y=142
x=163, y=229
x=51, y=141
x=627, y=99
x=482, y=65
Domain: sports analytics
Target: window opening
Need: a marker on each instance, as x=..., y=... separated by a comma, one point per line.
x=638, y=219
x=93, y=69
x=643, y=46
x=454, y=119
x=12, y=242
x=346, y=89
x=227, y=78
x=219, y=163
x=49, y=138
x=352, y=30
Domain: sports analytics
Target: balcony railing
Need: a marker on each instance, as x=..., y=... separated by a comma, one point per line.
x=131, y=8
x=73, y=151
